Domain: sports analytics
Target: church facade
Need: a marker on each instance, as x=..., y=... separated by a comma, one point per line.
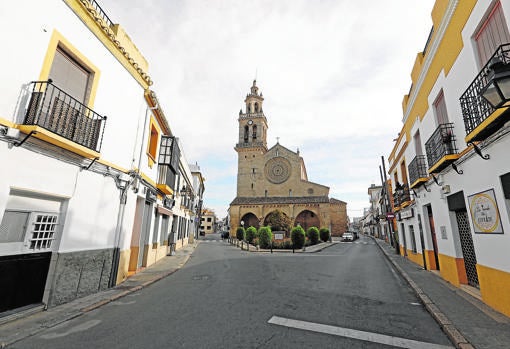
x=276, y=179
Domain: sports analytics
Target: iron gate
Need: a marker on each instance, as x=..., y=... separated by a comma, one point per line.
x=468, y=249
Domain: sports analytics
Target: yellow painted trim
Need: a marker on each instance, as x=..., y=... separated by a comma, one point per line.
x=7, y=123
x=148, y=180
x=109, y=164
x=165, y=189
x=59, y=141
x=415, y=257
x=57, y=39
x=431, y=261
x=483, y=125
x=492, y=283
x=418, y=182
x=447, y=52
x=446, y=158
x=114, y=39
x=452, y=269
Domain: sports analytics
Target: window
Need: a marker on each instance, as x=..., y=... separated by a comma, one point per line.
x=246, y=131
x=13, y=226
x=440, y=110
x=41, y=231
x=70, y=76
x=153, y=143
x=36, y=229
x=254, y=133
x=209, y=219
x=403, y=172
x=413, y=239
x=417, y=143
x=492, y=33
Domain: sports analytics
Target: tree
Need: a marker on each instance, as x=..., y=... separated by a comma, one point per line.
x=313, y=235
x=278, y=221
x=251, y=234
x=240, y=233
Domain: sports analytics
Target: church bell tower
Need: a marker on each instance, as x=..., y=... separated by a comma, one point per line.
x=252, y=142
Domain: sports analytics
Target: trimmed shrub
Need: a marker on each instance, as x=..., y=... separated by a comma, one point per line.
x=313, y=235
x=265, y=237
x=297, y=235
x=240, y=233
x=324, y=234
x=250, y=234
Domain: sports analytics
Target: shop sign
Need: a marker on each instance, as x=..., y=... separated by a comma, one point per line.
x=409, y=213
x=485, y=213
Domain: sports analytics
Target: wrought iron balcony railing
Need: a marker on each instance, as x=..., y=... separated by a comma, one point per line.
x=53, y=109
x=101, y=13
x=166, y=179
x=475, y=109
x=417, y=170
x=401, y=195
x=441, y=148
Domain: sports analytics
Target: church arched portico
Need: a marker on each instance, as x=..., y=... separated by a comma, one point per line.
x=307, y=218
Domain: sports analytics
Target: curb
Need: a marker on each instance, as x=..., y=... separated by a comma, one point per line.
x=96, y=305
x=451, y=331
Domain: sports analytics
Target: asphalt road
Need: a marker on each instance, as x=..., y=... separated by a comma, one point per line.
x=346, y=296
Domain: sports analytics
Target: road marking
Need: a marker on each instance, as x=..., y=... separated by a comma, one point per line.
x=355, y=334
x=78, y=328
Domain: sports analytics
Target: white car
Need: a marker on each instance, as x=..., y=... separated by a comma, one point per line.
x=347, y=237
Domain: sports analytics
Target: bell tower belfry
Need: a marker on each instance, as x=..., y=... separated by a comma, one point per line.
x=252, y=142
x=253, y=122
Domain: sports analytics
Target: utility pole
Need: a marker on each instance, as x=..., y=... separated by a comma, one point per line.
x=388, y=209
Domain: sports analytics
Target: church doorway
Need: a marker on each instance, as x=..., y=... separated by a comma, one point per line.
x=250, y=220
x=307, y=219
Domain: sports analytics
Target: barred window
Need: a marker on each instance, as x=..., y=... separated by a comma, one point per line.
x=41, y=231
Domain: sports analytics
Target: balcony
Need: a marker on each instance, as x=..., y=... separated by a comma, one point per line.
x=66, y=119
x=480, y=118
x=417, y=171
x=401, y=196
x=441, y=148
x=166, y=179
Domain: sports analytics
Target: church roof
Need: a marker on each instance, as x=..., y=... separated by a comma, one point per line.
x=281, y=200
x=336, y=201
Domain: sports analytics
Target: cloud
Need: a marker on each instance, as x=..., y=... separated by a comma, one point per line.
x=333, y=74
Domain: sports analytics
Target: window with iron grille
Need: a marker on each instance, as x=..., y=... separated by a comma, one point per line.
x=492, y=33
x=41, y=230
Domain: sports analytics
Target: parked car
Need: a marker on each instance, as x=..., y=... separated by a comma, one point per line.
x=348, y=236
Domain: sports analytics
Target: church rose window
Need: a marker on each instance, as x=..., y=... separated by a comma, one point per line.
x=277, y=170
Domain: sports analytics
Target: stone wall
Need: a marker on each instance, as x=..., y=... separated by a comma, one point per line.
x=78, y=274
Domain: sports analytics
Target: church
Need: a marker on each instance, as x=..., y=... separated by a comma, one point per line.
x=275, y=179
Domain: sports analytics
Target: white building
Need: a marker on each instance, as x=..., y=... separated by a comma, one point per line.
x=88, y=187
x=449, y=167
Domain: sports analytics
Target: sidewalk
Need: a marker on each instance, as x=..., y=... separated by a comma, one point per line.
x=31, y=324
x=467, y=321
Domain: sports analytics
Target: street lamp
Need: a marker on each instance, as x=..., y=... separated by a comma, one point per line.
x=497, y=90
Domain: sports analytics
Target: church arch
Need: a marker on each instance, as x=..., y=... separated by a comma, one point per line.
x=254, y=132
x=256, y=107
x=250, y=220
x=307, y=219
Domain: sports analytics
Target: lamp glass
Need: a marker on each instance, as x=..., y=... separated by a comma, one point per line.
x=491, y=94
x=504, y=86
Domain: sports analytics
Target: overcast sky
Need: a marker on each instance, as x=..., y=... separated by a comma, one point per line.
x=333, y=74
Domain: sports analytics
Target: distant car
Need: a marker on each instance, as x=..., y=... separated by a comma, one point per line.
x=348, y=236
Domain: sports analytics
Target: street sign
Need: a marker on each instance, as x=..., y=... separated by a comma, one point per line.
x=390, y=215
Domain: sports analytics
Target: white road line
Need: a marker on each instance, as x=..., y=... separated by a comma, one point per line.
x=355, y=334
